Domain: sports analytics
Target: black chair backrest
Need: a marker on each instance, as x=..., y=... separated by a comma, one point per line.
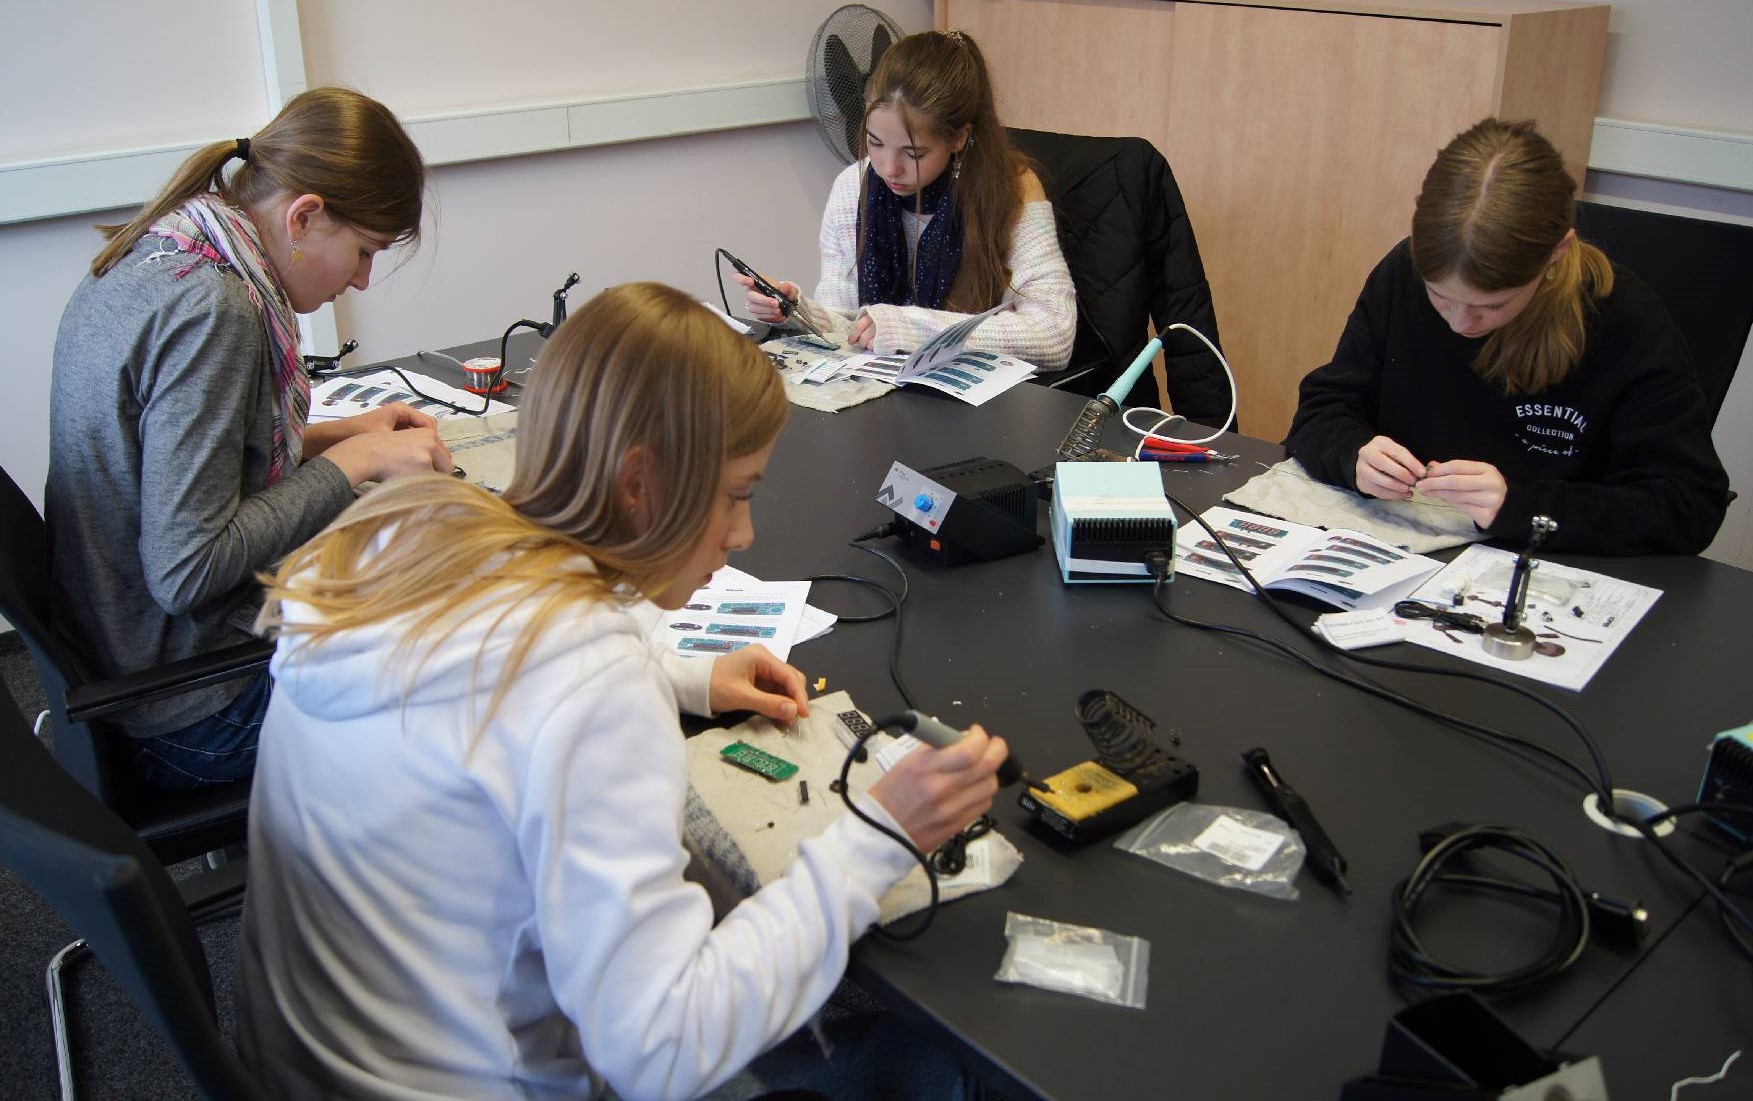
x=24, y=601
x=1702, y=270
x=104, y=882
x=1129, y=244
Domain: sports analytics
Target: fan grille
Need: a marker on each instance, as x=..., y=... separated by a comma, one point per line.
x=845, y=50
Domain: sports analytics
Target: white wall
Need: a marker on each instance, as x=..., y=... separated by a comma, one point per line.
x=508, y=230
x=502, y=233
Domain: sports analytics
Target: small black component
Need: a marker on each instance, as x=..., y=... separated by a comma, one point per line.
x=803, y=791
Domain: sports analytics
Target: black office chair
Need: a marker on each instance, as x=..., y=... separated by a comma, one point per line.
x=104, y=882
x=175, y=825
x=1702, y=270
x=1133, y=258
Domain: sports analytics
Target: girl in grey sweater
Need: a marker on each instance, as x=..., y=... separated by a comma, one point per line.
x=181, y=463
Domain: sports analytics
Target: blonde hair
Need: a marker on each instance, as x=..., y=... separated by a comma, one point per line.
x=331, y=142
x=1495, y=205
x=938, y=83
x=640, y=367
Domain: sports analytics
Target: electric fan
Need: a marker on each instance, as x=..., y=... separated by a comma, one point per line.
x=841, y=58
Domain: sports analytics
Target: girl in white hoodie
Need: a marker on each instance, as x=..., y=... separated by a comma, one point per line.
x=466, y=840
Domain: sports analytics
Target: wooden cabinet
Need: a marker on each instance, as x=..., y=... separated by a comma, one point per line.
x=1299, y=133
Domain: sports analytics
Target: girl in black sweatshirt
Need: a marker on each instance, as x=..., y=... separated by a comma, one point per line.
x=1499, y=363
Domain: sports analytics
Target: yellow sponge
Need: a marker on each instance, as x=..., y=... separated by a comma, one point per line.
x=1084, y=791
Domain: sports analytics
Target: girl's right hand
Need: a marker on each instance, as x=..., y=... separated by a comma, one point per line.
x=934, y=793
x=761, y=307
x=380, y=456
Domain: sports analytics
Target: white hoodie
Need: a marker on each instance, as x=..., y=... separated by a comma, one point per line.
x=435, y=914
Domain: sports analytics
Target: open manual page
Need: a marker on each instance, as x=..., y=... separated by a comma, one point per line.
x=945, y=362
x=1346, y=569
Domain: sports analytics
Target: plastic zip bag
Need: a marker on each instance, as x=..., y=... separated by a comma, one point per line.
x=1228, y=846
x=1075, y=959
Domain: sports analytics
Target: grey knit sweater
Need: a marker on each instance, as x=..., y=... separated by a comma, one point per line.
x=159, y=511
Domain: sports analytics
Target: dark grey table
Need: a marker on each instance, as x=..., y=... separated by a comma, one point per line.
x=1251, y=997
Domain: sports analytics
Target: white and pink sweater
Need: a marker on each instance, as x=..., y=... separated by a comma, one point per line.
x=1039, y=330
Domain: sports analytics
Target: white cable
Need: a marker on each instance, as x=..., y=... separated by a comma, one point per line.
x=38, y=728
x=1235, y=398
x=1674, y=1093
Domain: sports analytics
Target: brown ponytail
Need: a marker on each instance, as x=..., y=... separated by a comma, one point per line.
x=332, y=142
x=1495, y=206
x=939, y=83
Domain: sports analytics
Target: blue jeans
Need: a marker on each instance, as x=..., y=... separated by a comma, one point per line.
x=215, y=750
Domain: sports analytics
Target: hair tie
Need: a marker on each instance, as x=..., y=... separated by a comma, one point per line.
x=243, y=149
x=956, y=37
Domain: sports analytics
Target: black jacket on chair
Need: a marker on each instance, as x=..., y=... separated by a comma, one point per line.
x=1130, y=247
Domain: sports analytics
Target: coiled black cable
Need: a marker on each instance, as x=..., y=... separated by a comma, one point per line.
x=1413, y=964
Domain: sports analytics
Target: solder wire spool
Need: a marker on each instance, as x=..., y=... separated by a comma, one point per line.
x=484, y=375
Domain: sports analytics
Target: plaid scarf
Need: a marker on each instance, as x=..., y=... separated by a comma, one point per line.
x=209, y=229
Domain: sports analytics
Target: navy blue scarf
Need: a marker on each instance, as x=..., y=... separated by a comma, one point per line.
x=883, y=275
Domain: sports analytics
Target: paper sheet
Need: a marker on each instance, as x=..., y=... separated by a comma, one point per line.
x=737, y=608
x=351, y=395
x=1578, y=618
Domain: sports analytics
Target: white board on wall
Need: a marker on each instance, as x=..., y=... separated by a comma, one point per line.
x=464, y=55
x=84, y=75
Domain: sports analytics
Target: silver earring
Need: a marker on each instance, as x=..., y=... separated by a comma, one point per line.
x=956, y=167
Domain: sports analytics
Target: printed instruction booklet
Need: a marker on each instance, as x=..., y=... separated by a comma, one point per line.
x=1346, y=569
x=944, y=363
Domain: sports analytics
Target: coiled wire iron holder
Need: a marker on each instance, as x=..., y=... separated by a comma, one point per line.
x=1121, y=735
x=1131, y=778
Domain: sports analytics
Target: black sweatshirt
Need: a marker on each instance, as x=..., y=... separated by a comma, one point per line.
x=1619, y=452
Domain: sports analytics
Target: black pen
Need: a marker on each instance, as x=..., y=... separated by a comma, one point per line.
x=1290, y=806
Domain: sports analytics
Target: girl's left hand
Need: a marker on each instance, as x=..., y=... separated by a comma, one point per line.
x=1476, y=488
x=752, y=679
x=863, y=333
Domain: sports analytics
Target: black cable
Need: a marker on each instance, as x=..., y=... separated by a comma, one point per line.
x=1371, y=688
x=951, y=858
x=1736, y=921
x=900, y=839
x=406, y=381
x=718, y=270
x=896, y=601
x=1601, y=784
x=1413, y=964
x=1626, y=972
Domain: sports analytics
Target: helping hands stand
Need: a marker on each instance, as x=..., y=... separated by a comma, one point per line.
x=1510, y=640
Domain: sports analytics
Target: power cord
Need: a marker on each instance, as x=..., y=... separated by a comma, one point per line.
x=895, y=600
x=1167, y=417
x=1601, y=784
x=1158, y=562
x=896, y=836
x=1413, y=964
